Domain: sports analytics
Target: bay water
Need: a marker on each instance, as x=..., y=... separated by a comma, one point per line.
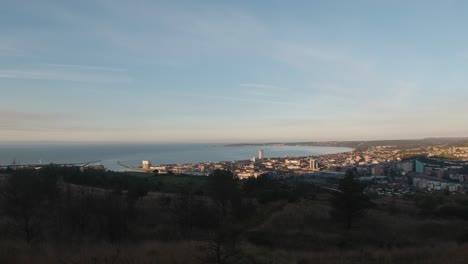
x=133, y=154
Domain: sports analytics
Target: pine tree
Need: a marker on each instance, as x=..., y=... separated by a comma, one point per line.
x=350, y=202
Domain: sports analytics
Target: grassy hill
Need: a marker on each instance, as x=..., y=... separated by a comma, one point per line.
x=176, y=219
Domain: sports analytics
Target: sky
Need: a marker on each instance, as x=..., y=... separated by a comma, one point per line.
x=232, y=71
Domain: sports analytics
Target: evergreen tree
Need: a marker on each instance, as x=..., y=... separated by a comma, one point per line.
x=223, y=189
x=350, y=202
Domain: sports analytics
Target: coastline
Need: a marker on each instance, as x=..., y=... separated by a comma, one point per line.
x=133, y=154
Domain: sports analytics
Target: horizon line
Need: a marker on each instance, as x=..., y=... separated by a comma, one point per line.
x=217, y=142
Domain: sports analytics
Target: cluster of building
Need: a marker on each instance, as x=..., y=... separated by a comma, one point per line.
x=381, y=167
x=287, y=166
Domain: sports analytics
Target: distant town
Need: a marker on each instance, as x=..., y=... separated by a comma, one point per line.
x=393, y=168
x=390, y=168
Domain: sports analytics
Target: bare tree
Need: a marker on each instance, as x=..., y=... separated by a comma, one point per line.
x=23, y=195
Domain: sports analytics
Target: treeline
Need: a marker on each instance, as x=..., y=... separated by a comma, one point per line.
x=42, y=204
x=69, y=205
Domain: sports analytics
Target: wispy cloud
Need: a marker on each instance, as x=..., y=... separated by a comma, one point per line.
x=83, y=67
x=60, y=72
x=262, y=86
x=26, y=121
x=245, y=100
x=262, y=90
x=310, y=57
x=13, y=115
x=167, y=32
x=29, y=121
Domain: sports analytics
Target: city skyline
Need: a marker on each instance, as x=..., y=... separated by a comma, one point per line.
x=249, y=71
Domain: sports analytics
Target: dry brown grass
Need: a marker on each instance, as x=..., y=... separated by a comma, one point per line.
x=440, y=254
x=280, y=232
x=148, y=252
x=194, y=252
x=306, y=227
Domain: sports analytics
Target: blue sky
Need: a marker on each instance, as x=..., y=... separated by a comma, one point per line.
x=232, y=71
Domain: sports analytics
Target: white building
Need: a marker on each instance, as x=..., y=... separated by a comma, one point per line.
x=146, y=164
x=405, y=166
x=312, y=164
x=260, y=154
x=434, y=184
x=292, y=162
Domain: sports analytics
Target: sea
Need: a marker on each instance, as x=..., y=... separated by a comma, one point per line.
x=157, y=154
